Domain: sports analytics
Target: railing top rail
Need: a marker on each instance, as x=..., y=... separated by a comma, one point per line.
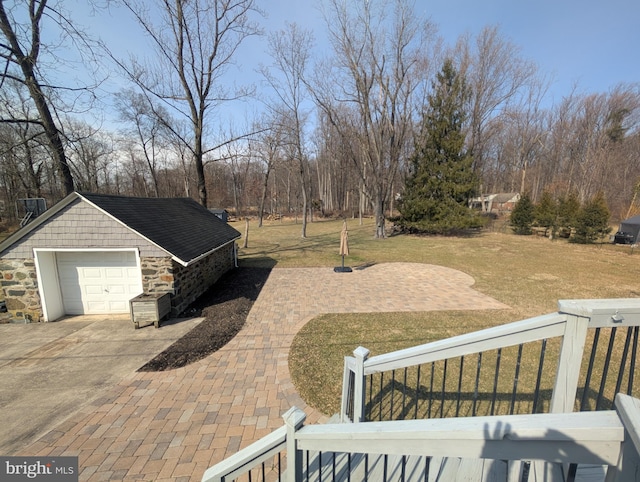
x=545, y=326
x=244, y=460
x=604, y=312
x=581, y=437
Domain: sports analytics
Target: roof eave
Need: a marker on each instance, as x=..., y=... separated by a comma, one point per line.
x=204, y=255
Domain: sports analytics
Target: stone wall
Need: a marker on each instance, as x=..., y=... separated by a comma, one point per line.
x=20, y=288
x=194, y=280
x=186, y=284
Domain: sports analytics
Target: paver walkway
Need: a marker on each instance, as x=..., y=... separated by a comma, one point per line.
x=174, y=425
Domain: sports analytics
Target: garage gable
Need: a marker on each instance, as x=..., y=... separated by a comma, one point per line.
x=80, y=226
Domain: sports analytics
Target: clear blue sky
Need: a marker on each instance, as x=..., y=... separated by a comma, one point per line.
x=592, y=43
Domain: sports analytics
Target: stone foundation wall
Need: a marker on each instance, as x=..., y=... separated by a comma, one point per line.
x=20, y=288
x=186, y=284
x=194, y=280
x=157, y=275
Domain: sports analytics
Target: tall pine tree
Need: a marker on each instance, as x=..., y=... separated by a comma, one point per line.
x=441, y=180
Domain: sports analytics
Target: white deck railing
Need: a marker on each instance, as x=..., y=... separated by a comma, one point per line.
x=486, y=448
x=571, y=324
x=604, y=445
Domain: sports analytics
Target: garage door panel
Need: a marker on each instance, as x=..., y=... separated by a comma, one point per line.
x=117, y=289
x=91, y=273
x=93, y=289
x=115, y=273
x=98, y=282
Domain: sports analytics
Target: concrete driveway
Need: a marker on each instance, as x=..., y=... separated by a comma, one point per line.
x=50, y=370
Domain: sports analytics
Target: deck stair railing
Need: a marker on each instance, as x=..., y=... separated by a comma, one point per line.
x=506, y=393
x=603, y=444
x=575, y=359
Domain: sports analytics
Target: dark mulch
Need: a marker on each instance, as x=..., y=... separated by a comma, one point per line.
x=225, y=307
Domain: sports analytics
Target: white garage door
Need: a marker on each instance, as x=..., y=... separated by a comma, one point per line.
x=98, y=282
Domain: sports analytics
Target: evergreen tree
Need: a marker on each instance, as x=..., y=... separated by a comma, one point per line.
x=546, y=212
x=568, y=209
x=592, y=222
x=442, y=179
x=523, y=215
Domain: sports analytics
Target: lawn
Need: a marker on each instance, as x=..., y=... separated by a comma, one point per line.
x=529, y=274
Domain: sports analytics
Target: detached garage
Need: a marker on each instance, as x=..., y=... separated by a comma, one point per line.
x=92, y=253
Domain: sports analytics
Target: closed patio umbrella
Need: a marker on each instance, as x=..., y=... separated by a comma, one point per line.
x=344, y=249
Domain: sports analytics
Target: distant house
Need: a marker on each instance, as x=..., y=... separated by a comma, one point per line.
x=501, y=203
x=92, y=253
x=221, y=213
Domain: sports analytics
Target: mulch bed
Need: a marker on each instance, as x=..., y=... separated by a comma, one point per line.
x=225, y=307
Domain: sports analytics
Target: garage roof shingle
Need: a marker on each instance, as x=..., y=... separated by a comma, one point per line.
x=180, y=226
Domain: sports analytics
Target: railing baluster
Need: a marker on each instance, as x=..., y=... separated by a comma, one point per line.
x=381, y=400
x=320, y=465
x=349, y=467
x=587, y=381
x=444, y=381
x=393, y=391
x=605, y=369
x=536, y=393
x=623, y=360
x=632, y=368
x=308, y=465
x=431, y=388
x=385, y=466
x=264, y=473
x=495, y=381
x=369, y=415
x=526, y=468
x=279, y=466
x=475, y=392
x=404, y=393
x=459, y=386
x=366, y=467
x=333, y=465
x=427, y=463
x=415, y=414
x=403, y=468
x=515, y=380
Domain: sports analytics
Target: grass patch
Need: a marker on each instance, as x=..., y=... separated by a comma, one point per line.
x=529, y=274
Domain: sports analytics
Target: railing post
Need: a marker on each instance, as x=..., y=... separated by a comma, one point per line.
x=346, y=390
x=569, y=362
x=294, y=419
x=361, y=355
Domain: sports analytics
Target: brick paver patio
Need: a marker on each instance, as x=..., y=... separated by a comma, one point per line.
x=173, y=425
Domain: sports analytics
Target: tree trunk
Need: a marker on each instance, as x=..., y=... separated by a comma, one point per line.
x=379, y=217
x=263, y=198
x=305, y=203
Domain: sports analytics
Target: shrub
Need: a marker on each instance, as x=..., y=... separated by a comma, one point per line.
x=592, y=222
x=523, y=215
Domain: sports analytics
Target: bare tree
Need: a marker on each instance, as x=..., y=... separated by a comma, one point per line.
x=267, y=148
x=290, y=50
x=31, y=63
x=368, y=92
x=195, y=43
x=149, y=129
x=496, y=75
x=90, y=155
